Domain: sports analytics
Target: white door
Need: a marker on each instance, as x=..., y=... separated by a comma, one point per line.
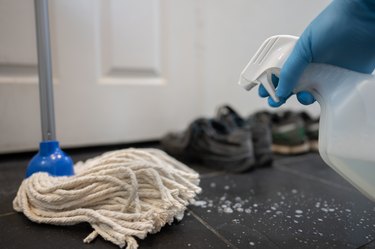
x=124, y=70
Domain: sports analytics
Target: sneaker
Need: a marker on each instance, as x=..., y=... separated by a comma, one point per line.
x=260, y=130
x=288, y=134
x=312, y=130
x=214, y=144
x=227, y=115
x=260, y=126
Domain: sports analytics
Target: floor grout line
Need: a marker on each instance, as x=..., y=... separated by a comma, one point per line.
x=208, y=226
x=365, y=245
x=295, y=172
x=7, y=214
x=204, y=223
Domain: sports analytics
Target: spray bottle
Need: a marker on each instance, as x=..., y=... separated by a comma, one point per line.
x=347, y=102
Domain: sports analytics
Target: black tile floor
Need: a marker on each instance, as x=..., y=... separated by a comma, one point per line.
x=298, y=203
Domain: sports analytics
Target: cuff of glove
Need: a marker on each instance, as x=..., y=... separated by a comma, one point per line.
x=368, y=5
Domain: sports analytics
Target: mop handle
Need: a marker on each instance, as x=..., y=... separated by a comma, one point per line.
x=45, y=70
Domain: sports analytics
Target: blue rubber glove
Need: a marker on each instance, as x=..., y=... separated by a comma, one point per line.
x=343, y=35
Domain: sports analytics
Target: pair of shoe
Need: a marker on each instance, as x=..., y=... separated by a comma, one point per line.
x=294, y=133
x=260, y=130
x=226, y=142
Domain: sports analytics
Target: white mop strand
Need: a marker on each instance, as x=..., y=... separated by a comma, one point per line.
x=122, y=194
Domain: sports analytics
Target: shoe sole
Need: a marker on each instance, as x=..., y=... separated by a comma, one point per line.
x=291, y=150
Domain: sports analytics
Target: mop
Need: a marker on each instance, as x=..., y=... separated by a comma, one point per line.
x=123, y=195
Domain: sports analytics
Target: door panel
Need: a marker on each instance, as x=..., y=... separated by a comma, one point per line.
x=123, y=71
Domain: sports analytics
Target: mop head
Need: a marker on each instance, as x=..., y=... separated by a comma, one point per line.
x=123, y=194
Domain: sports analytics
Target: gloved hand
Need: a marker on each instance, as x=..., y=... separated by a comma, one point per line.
x=343, y=35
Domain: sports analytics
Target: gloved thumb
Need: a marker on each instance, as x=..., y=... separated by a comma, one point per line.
x=293, y=68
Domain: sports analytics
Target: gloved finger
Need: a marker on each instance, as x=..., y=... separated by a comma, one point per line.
x=263, y=92
x=275, y=104
x=275, y=80
x=305, y=98
x=282, y=101
x=294, y=67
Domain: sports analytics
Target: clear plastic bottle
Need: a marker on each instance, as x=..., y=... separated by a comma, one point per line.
x=347, y=102
x=347, y=122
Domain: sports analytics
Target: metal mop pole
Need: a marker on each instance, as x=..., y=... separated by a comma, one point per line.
x=50, y=157
x=45, y=70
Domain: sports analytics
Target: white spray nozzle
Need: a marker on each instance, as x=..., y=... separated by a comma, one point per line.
x=268, y=60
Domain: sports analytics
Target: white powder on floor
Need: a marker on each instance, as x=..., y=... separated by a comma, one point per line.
x=200, y=203
x=295, y=213
x=228, y=210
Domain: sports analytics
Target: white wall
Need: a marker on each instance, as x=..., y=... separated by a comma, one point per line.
x=231, y=32
x=192, y=53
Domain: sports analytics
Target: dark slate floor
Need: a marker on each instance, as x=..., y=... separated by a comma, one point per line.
x=298, y=203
